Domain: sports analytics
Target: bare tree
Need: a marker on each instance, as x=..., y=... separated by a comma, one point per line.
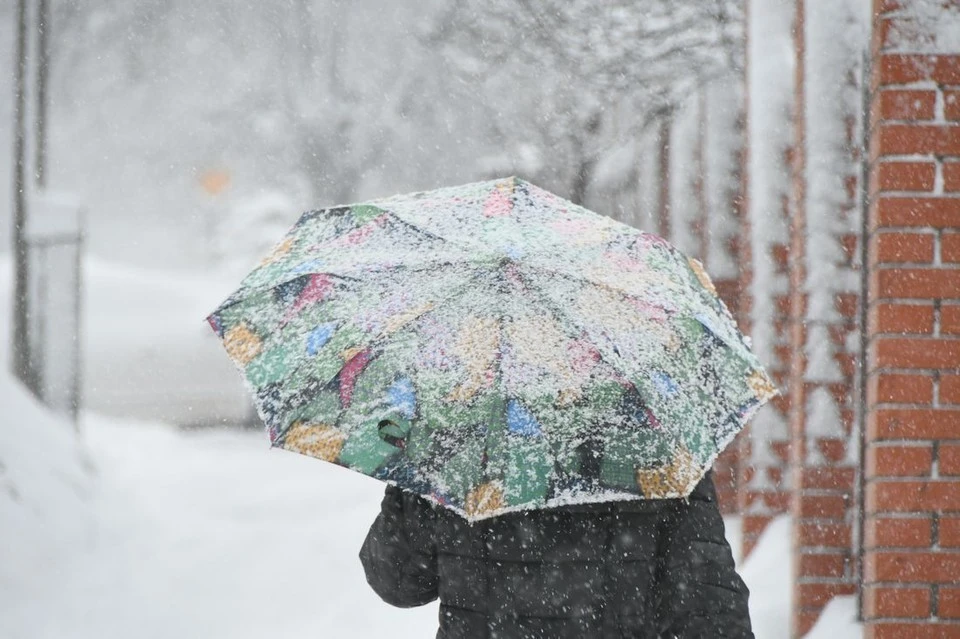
x=581, y=62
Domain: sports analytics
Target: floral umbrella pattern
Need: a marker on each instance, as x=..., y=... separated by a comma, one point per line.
x=492, y=347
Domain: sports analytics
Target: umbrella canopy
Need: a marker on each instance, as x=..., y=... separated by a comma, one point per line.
x=492, y=347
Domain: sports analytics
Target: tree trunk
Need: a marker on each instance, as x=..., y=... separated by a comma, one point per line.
x=582, y=178
x=586, y=159
x=663, y=213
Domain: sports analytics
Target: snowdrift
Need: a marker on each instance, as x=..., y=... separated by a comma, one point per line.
x=45, y=484
x=767, y=572
x=46, y=479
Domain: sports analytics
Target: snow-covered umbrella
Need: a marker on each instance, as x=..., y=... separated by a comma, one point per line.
x=494, y=348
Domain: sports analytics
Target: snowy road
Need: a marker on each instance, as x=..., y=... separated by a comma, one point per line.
x=211, y=535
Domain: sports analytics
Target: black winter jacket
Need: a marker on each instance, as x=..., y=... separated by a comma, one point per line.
x=637, y=569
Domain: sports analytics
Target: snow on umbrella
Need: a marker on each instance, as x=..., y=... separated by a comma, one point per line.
x=494, y=348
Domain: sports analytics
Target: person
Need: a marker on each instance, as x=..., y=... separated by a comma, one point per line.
x=654, y=569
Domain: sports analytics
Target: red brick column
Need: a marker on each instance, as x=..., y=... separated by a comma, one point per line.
x=765, y=303
x=721, y=145
x=912, y=527
x=824, y=291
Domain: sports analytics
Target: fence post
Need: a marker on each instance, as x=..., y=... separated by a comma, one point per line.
x=54, y=245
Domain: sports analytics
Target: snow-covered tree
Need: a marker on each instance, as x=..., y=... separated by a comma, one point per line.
x=578, y=66
x=148, y=97
x=329, y=101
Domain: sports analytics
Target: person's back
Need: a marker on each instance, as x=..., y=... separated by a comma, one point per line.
x=643, y=569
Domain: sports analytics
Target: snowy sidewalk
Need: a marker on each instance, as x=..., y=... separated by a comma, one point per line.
x=211, y=535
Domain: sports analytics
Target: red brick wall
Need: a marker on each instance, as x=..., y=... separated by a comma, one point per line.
x=912, y=500
x=824, y=311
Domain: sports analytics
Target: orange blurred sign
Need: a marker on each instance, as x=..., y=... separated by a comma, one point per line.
x=214, y=182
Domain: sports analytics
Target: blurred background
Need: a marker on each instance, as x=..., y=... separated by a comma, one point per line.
x=191, y=135
x=163, y=146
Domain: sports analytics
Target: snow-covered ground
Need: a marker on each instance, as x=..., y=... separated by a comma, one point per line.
x=46, y=487
x=148, y=351
x=208, y=534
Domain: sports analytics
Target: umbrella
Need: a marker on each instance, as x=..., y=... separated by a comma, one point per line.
x=493, y=348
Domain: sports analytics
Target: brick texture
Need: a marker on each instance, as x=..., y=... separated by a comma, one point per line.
x=951, y=174
x=899, y=247
x=905, y=176
x=912, y=466
x=907, y=105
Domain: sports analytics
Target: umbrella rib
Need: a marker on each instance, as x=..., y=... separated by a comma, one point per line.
x=414, y=227
x=675, y=435
x=468, y=246
x=275, y=337
x=235, y=298
x=603, y=285
x=736, y=351
x=628, y=295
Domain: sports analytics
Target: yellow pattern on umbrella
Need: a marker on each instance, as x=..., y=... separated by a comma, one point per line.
x=477, y=346
x=398, y=321
x=670, y=480
x=760, y=384
x=317, y=440
x=484, y=499
x=278, y=252
x=242, y=344
x=702, y=275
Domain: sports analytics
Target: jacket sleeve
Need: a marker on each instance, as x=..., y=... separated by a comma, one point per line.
x=701, y=595
x=399, y=554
